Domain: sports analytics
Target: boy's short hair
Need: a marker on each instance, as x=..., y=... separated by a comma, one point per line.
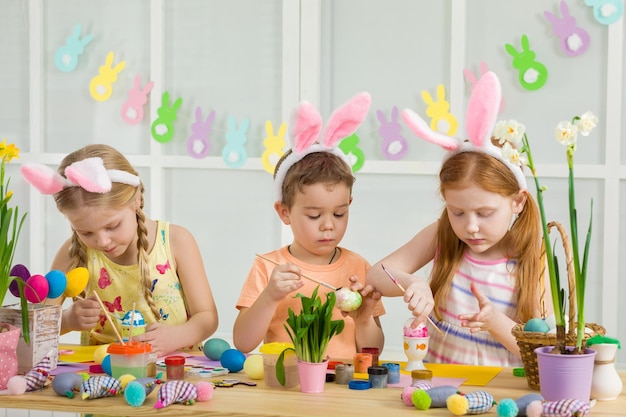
x=314, y=168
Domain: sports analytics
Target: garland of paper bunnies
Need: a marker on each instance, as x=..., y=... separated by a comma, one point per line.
x=533, y=74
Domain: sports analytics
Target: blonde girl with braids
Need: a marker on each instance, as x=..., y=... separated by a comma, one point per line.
x=485, y=248
x=131, y=259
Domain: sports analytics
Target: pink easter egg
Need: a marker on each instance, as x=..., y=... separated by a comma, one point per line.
x=36, y=289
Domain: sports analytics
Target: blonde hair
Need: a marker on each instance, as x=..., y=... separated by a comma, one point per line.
x=522, y=243
x=120, y=196
x=314, y=168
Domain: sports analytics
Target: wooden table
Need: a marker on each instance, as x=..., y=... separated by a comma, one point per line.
x=243, y=400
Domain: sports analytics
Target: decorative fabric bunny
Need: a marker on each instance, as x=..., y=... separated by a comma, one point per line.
x=482, y=112
x=307, y=133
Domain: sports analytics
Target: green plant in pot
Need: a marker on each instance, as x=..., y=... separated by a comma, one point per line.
x=10, y=226
x=516, y=148
x=310, y=330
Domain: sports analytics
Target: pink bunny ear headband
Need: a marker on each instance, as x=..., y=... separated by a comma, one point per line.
x=89, y=174
x=306, y=134
x=482, y=112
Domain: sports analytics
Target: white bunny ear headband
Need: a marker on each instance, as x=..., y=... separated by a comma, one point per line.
x=482, y=112
x=90, y=174
x=307, y=136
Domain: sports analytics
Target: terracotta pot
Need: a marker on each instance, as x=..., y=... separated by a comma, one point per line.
x=9, y=338
x=312, y=376
x=563, y=377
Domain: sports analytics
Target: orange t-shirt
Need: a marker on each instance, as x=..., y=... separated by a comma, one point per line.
x=336, y=274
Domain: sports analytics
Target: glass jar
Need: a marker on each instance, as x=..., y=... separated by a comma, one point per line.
x=377, y=376
x=175, y=367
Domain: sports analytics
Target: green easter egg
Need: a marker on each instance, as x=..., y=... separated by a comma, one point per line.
x=213, y=348
x=536, y=325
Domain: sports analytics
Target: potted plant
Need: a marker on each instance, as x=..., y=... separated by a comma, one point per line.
x=310, y=331
x=10, y=227
x=516, y=148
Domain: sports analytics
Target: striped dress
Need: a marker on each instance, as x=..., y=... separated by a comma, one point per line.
x=457, y=344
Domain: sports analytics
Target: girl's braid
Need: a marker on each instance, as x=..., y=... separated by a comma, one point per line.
x=142, y=259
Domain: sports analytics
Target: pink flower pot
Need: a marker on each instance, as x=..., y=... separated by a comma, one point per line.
x=563, y=377
x=8, y=353
x=312, y=376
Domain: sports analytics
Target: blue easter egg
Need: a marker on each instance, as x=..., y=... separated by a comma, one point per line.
x=56, y=283
x=106, y=365
x=213, y=348
x=233, y=360
x=536, y=325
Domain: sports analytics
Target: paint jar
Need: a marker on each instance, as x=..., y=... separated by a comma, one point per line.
x=271, y=352
x=344, y=373
x=362, y=361
x=421, y=376
x=175, y=367
x=129, y=358
x=377, y=376
x=374, y=351
x=393, y=372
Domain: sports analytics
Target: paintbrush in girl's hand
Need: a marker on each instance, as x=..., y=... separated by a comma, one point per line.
x=395, y=281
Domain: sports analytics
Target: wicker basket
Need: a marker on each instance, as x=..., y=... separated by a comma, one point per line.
x=529, y=341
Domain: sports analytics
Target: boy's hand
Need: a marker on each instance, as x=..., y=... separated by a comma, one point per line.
x=84, y=313
x=284, y=280
x=370, y=297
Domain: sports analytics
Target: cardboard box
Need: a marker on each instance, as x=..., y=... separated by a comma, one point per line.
x=44, y=325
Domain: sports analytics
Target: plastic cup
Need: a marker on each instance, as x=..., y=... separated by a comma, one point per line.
x=130, y=358
x=271, y=352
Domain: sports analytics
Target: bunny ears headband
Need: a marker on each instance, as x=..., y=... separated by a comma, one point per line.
x=90, y=174
x=482, y=111
x=307, y=136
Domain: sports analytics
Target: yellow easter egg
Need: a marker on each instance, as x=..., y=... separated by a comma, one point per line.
x=253, y=366
x=77, y=280
x=99, y=353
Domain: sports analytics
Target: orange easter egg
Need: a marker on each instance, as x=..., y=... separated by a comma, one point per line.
x=77, y=280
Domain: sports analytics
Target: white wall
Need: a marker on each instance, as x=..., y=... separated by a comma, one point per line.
x=255, y=60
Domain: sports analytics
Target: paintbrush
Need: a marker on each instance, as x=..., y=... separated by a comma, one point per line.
x=106, y=313
x=302, y=275
x=395, y=281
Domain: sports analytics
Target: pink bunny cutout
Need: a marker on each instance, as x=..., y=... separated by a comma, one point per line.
x=132, y=109
x=482, y=111
x=473, y=80
x=307, y=134
x=574, y=39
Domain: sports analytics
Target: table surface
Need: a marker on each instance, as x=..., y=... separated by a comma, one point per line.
x=260, y=400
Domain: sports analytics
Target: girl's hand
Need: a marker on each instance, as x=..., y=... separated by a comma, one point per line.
x=284, y=280
x=369, y=297
x=84, y=314
x=486, y=317
x=419, y=299
x=161, y=338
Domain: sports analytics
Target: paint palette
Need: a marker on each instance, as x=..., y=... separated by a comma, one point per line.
x=202, y=371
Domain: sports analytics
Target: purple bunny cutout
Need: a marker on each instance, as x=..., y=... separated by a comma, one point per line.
x=574, y=40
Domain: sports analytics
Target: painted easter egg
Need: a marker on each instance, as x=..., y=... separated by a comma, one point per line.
x=536, y=324
x=253, y=366
x=213, y=348
x=36, y=289
x=233, y=360
x=348, y=300
x=21, y=272
x=99, y=353
x=56, y=283
x=77, y=280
